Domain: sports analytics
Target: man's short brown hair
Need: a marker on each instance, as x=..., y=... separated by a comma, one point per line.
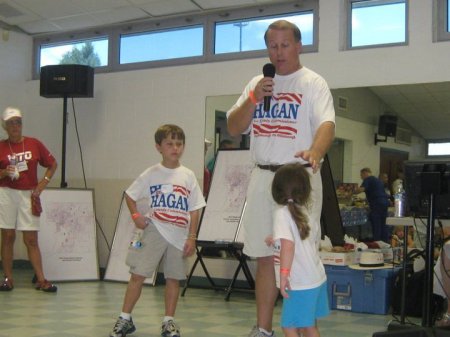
x=284, y=25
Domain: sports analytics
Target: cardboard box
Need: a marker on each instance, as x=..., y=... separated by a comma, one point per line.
x=337, y=259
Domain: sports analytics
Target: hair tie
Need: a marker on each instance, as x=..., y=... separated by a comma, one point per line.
x=290, y=200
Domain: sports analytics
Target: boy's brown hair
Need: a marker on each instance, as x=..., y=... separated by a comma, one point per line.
x=166, y=130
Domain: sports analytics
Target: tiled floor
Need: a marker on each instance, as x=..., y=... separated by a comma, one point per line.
x=89, y=309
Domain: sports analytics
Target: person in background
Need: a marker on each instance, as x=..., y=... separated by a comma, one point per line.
x=299, y=127
x=378, y=204
x=302, y=278
x=20, y=189
x=441, y=284
x=224, y=144
x=169, y=229
x=385, y=179
x=398, y=236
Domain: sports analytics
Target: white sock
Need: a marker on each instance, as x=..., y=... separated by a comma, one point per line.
x=167, y=318
x=265, y=331
x=125, y=315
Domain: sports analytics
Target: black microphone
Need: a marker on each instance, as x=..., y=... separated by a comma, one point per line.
x=268, y=71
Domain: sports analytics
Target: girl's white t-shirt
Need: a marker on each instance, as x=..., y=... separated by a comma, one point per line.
x=307, y=270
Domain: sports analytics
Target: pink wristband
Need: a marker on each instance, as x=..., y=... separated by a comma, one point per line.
x=134, y=216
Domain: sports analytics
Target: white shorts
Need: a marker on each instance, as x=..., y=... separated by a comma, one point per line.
x=257, y=220
x=15, y=210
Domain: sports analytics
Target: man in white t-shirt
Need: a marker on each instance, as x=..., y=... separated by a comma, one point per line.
x=299, y=127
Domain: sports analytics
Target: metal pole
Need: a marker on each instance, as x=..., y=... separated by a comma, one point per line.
x=63, y=156
x=427, y=313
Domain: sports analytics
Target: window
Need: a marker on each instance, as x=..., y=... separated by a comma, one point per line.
x=439, y=148
x=377, y=23
x=186, y=39
x=248, y=35
x=443, y=20
x=161, y=45
x=93, y=52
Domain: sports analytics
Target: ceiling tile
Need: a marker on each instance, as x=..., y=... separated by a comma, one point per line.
x=21, y=15
x=169, y=7
x=122, y=14
x=76, y=22
x=8, y=11
x=212, y=4
x=38, y=27
x=99, y=5
x=47, y=8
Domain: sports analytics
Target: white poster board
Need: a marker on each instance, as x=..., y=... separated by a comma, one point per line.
x=226, y=197
x=116, y=269
x=67, y=237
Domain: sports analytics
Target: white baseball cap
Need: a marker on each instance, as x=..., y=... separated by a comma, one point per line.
x=11, y=112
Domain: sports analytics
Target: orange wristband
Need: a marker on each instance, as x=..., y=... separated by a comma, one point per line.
x=134, y=216
x=284, y=271
x=252, y=97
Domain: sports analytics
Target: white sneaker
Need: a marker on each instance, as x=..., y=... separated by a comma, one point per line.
x=170, y=329
x=122, y=328
x=256, y=333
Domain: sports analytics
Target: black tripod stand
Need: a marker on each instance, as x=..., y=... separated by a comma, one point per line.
x=432, y=184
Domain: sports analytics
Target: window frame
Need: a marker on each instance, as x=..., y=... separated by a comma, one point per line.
x=442, y=32
x=437, y=141
x=348, y=42
x=208, y=20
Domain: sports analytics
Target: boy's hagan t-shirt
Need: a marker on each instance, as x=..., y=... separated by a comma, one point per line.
x=172, y=194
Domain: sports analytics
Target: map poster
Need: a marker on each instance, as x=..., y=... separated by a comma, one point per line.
x=67, y=237
x=226, y=198
x=116, y=269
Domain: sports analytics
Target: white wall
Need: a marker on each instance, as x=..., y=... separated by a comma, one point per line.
x=15, y=71
x=116, y=126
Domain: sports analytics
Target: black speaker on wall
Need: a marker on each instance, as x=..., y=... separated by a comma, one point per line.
x=387, y=125
x=67, y=80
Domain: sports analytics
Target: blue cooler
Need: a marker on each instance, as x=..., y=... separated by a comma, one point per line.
x=366, y=291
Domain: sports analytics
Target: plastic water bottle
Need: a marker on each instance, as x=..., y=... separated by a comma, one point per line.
x=136, y=241
x=12, y=162
x=399, y=201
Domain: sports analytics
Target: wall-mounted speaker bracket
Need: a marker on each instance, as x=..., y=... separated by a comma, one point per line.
x=379, y=140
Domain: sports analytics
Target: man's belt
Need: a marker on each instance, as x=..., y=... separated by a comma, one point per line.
x=274, y=168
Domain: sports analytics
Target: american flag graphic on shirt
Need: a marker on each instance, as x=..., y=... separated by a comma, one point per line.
x=169, y=204
x=278, y=121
